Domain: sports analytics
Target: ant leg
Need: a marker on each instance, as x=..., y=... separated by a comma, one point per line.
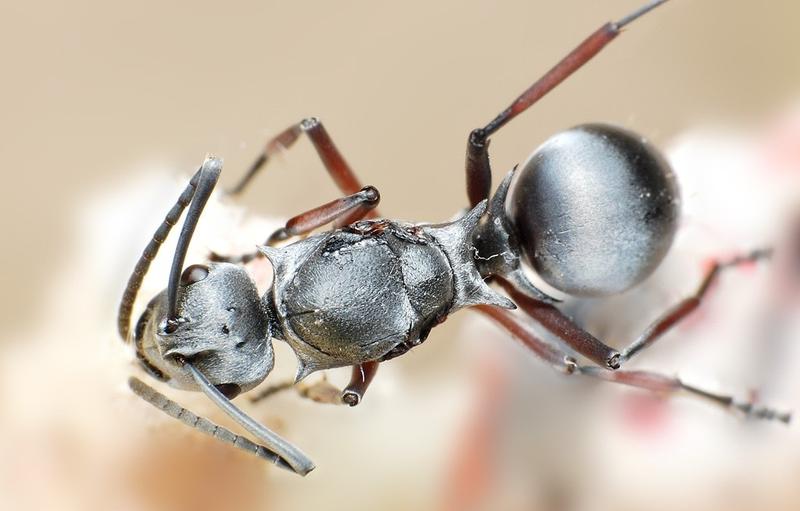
x=663, y=384
x=595, y=350
x=359, y=382
x=479, y=175
x=320, y=391
x=646, y=380
x=556, y=357
x=284, y=140
x=349, y=209
x=686, y=306
x=564, y=328
x=337, y=167
x=272, y=390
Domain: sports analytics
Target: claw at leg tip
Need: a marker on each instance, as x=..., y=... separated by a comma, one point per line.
x=350, y=398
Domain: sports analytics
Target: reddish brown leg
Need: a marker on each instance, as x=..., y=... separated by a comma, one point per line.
x=479, y=176
x=564, y=328
x=554, y=356
x=663, y=384
x=272, y=390
x=282, y=141
x=359, y=382
x=685, y=307
x=337, y=167
x=647, y=380
x=351, y=395
x=595, y=350
x=354, y=206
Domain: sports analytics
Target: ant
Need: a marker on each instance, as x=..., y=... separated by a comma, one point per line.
x=593, y=211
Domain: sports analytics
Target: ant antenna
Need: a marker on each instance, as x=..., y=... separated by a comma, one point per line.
x=199, y=423
x=299, y=462
x=639, y=13
x=151, y=250
x=209, y=174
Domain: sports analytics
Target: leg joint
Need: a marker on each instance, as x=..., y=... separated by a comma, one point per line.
x=477, y=138
x=309, y=123
x=371, y=194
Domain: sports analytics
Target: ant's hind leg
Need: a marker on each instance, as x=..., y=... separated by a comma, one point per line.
x=479, y=174
x=646, y=380
x=688, y=305
x=594, y=349
x=662, y=384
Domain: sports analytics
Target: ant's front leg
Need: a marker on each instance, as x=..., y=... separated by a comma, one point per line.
x=337, y=167
x=344, y=210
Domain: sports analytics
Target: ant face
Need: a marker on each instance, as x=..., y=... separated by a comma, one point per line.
x=221, y=329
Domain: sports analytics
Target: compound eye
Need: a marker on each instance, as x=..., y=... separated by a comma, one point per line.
x=229, y=390
x=194, y=273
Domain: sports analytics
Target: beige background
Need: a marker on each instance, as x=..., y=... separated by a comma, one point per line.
x=93, y=92
x=97, y=97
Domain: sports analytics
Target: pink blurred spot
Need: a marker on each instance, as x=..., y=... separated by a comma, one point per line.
x=470, y=475
x=781, y=145
x=645, y=414
x=708, y=263
x=748, y=267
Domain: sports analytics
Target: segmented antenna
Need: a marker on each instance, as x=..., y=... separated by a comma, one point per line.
x=203, y=181
x=638, y=13
x=209, y=174
x=149, y=253
x=199, y=423
x=299, y=462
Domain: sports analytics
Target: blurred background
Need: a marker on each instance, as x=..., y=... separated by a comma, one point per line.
x=108, y=107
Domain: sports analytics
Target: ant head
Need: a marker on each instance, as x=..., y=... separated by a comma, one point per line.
x=221, y=327
x=209, y=317
x=208, y=331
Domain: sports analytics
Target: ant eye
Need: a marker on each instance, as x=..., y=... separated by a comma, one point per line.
x=194, y=273
x=229, y=390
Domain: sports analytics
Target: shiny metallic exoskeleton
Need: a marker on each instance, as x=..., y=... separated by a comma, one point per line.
x=592, y=211
x=373, y=290
x=595, y=209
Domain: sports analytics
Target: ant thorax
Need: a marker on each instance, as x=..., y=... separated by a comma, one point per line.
x=325, y=287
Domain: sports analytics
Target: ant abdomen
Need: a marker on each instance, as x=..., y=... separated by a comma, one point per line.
x=595, y=209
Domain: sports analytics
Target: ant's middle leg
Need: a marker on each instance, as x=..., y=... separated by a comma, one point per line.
x=359, y=382
x=325, y=392
x=563, y=327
